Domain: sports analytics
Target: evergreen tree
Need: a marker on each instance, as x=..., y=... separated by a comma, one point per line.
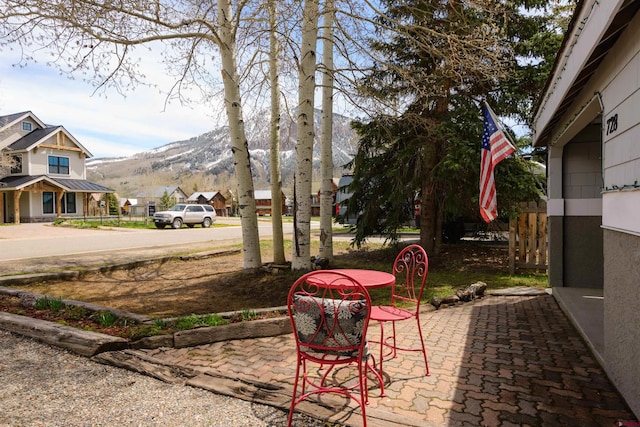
x=443, y=60
x=165, y=201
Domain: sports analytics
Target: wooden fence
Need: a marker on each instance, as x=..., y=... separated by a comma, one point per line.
x=528, y=238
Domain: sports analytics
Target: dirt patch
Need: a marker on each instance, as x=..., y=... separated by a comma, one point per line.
x=218, y=284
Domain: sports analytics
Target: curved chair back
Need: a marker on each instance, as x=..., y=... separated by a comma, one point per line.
x=329, y=313
x=410, y=268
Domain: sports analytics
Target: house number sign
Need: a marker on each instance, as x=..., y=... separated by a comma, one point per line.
x=612, y=124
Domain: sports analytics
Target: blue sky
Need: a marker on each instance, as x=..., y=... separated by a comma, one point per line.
x=108, y=126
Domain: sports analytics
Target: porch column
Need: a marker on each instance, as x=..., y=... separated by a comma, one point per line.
x=59, y=204
x=555, y=216
x=16, y=206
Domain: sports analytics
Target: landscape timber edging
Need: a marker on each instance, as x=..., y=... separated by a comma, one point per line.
x=79, y=341
x=259, y=328
x=88, y=343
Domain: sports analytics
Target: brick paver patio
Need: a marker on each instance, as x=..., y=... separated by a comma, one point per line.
x=497, y=361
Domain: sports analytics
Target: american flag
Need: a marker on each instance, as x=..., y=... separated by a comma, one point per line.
x=495, y=148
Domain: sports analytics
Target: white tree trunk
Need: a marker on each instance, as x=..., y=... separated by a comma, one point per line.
x=275, y=175
x=326, y=141
x=239, y=145
x=301, y=259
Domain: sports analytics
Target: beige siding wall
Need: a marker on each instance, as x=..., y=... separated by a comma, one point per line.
x=15, y=132
x=38, y=161
x=31, y=207
x=35, y=205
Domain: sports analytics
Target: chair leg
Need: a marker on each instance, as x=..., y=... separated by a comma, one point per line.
x=293, y=398
x=364, y=391
x=378, y=375
x=382, y=345
x=395, y=345
x=424, y=351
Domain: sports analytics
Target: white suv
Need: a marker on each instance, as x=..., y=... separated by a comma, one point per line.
x=187, y=214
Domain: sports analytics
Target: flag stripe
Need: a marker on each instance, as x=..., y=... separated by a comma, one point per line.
x=495, y=148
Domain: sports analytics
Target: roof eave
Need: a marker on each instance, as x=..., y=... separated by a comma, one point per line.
x=566, y=83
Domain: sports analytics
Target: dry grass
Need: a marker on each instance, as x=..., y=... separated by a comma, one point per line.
x=218, y=284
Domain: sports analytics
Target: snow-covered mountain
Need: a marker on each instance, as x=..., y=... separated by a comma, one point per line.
x=206, y=162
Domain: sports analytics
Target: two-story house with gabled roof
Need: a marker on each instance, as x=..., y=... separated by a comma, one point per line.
x=47, y=176
x=154, y=196
x=264, y=200
x=213, y=198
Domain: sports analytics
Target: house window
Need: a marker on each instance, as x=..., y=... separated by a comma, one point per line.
x=49, y=202
x=69, y=201
x=26, y=126
x=59, y=165
x=16, y=163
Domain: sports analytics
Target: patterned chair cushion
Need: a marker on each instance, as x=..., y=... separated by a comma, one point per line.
x=331, y=324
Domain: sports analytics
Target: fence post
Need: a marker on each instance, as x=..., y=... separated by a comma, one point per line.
x=528, y=237
x=512, y=245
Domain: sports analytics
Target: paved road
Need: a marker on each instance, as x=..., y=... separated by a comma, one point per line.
x=24, y=241
x=36, y=248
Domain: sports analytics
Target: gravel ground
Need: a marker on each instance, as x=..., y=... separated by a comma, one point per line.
x=42, y=385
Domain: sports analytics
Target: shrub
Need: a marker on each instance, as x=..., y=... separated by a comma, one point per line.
x=213, y=320
x=41, y=304
x=159, y=323
x=56, y=304
x=46, y=303
x=192, y=321
x=186, y=322
x=104, y=318
x=249, y=315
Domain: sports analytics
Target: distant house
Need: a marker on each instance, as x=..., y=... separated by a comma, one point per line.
x=588, y=120
x=315, y=195
x=47, y=178
x=154, y=195
x=213, y=198
x=125, y=205
x=95, y=205
x=231, y=202
x=263, y=202
x=342, y=196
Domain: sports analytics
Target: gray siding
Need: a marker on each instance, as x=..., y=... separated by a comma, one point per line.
x=581, y=252
x=582, y=176
x=622, y=316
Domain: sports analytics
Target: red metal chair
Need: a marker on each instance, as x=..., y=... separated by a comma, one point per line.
x=329, y=312
x=410, y=268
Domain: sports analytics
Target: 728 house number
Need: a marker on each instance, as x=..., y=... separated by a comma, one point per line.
x=612, y=124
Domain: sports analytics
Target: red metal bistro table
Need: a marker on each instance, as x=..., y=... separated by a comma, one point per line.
x=370, y=279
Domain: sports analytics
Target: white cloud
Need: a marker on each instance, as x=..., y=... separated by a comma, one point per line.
x=108, y=126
